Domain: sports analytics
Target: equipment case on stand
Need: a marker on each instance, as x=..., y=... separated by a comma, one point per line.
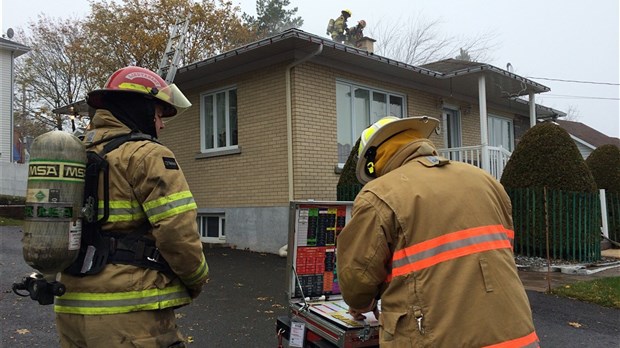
x=317, y=315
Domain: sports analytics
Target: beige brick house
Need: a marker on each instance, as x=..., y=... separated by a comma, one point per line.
x=274, y=121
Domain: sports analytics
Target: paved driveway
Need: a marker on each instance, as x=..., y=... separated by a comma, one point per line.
x=239, y=307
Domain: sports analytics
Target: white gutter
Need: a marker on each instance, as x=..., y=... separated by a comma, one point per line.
x=289, y=118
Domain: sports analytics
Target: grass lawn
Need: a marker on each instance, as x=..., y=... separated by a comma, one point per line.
x=604, y=291
x=6, y=221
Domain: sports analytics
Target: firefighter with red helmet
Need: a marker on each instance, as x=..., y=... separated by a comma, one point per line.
x=432, y=239
x=155, y=262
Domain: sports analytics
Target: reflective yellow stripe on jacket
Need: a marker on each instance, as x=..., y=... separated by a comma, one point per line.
x=122, y=302
x=173, y=204
x=200, y=273
x=122, y=211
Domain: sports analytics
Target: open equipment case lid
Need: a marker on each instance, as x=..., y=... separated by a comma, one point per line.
x=312, y=281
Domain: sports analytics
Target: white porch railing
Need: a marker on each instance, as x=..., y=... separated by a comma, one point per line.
x=497, y=157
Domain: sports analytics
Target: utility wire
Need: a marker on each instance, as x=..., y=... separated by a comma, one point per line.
x=575, y=81
x=575, y=97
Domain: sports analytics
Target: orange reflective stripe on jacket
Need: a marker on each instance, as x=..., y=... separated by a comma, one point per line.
x=529, y=341
x=449, y=247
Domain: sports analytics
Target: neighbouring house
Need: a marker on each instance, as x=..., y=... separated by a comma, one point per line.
x=586, y=138
x=274, y=121
x=11, y=152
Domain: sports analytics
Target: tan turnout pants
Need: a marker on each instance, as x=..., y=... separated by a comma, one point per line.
x=145, y=329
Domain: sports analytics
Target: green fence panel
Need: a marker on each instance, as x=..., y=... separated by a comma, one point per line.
x=572, y=220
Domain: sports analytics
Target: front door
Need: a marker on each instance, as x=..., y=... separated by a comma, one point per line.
x=452, y=131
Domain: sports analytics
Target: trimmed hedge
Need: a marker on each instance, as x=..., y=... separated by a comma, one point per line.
x=604, y=163
x=12, y=200
x=348, y=186
x=546, y=156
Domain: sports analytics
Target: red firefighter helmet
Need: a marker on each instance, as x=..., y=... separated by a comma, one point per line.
x=134, y=79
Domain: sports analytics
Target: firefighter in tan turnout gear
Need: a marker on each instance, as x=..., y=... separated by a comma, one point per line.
x=155, y=262
x=432, y=239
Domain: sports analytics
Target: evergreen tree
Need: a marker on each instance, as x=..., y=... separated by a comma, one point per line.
x=272, y=18
x=604, y=163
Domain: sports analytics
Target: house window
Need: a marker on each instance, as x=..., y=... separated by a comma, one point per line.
x=218, y=120
x=501, y=132
x=358, y=107
x=212, y=228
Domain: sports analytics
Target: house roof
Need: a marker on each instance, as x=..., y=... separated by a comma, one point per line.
x=9, y=45
x=450, y=78
x=587, y=135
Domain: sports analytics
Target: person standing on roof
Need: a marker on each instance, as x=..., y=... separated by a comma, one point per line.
x=338, y=29
x=356, y=33
x=155, y=263
x=432, y=239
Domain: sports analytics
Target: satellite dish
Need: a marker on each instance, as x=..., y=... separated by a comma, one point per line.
x=10, y=33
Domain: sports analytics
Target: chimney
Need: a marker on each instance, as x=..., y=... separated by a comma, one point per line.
x=366, y=43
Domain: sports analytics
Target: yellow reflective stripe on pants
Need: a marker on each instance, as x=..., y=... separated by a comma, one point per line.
x=173, y=204
x=122, y=302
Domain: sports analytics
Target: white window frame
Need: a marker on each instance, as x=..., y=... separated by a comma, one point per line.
x=221, y=238
x=370, y=118
x=203, y=121
x=507, y=120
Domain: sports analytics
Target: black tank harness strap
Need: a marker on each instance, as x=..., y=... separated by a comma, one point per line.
x=135, y=249
x=99, y=248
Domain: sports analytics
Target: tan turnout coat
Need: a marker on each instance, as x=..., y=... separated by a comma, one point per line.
x=146, y=187
x=433, y=241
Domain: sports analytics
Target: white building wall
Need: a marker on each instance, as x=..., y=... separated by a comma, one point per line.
x=584, y=148
x=13, y=178
x=6, y=121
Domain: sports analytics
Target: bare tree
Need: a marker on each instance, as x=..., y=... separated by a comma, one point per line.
x=572, y=114
x=417, y=41
x=135, y=32
x=49, y=76
x=71, y=57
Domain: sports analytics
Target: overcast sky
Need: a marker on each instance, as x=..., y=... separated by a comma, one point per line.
x=546, y=40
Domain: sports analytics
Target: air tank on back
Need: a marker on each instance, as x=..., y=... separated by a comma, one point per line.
x=52, y=225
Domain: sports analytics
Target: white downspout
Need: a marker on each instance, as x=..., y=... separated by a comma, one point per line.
x=289, y=118
x=532, y=109
x=484, y=134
